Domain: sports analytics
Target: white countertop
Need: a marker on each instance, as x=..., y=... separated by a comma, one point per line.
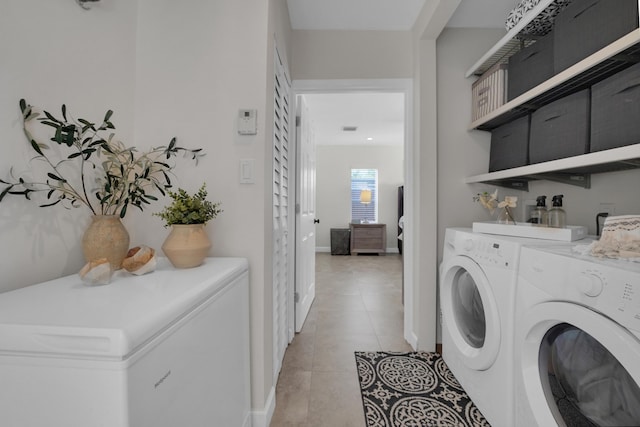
x=66, y=317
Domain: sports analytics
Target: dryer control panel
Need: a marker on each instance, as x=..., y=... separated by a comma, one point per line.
x=608, y=287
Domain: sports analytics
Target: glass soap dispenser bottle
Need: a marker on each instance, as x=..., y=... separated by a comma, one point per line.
x=557, y=215
x=539, y=215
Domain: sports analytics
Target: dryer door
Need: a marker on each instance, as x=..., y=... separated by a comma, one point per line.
x=579, y=368
x=469, y=312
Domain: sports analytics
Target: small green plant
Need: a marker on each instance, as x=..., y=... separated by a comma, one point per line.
x=187, y=209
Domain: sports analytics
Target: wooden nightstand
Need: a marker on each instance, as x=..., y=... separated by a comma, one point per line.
x=368, y=238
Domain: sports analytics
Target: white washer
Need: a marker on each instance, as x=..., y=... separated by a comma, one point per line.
x=577, y=340
x=478, y=276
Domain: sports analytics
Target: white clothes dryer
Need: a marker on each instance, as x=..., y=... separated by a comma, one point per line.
x=577, y=340
x=478, y=276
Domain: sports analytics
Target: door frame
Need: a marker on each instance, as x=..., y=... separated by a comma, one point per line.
x=405, y=86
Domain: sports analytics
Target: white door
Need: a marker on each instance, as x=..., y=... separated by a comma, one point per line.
x=282, y=256
x=305, y=216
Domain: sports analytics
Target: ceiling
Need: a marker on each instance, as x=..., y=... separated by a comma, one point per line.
x=390, y=14
x=376, y=116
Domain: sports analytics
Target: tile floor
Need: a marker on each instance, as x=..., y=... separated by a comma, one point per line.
x=358, y=307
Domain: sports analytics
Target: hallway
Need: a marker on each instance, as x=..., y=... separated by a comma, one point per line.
x=358, y=307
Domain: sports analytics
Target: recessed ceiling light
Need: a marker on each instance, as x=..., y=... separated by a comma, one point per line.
x=369, y=139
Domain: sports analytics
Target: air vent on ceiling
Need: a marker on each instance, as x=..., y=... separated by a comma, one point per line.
x=349, y=128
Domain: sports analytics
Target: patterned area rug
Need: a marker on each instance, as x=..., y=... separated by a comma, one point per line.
x=413, y=390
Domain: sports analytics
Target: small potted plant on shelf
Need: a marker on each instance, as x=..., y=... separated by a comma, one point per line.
x=187, y=244
x=83, y=165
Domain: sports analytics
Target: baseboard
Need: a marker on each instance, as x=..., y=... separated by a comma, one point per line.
x=325, y=249
x=263, y=418
x=412, y=339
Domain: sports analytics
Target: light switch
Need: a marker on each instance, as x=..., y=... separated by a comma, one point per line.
x=246, y=171
x=247, y=122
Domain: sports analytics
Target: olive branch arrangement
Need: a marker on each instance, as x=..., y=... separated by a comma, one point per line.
x=115, y=175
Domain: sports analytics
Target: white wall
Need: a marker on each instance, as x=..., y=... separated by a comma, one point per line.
x=582, y=205
x=193, y=78
x=433, y=16
x=167, y=69
x=333, y=187
x=54, y=53
x=461, y=152
x=351, y=54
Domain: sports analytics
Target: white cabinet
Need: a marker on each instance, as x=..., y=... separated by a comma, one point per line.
x=573, y=170
x=169, y=348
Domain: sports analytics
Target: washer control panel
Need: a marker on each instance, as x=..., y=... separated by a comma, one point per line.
x=487, y=251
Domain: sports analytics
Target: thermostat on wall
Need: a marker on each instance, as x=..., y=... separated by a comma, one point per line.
x=247, y=122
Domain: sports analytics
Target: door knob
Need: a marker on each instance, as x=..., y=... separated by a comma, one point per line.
x=316, y=221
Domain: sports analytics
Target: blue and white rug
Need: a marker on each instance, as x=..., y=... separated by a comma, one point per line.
x=414, y=389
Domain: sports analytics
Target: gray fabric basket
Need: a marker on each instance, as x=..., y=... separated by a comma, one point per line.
x=615, y=110
x=530, y=67
x=510, y=145
x=560, y=129
x=586, y=26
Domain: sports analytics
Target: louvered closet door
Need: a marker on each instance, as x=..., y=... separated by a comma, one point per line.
x=281, y=214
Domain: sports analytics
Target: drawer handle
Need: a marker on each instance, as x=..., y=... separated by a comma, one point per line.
x=585, y=9
x=531, y=55
x=557, y=116
x=628, y=88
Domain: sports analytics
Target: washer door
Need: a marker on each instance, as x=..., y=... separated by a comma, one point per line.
x=579, y=368
x=469, y=312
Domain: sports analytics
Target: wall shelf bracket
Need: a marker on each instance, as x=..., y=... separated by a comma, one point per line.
x=578, y=179
x=513, y=184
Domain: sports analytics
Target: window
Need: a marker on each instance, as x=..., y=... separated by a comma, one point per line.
x=364, y=204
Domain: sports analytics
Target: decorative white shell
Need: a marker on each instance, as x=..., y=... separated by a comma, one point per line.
x=140, y=260
x=96, y=272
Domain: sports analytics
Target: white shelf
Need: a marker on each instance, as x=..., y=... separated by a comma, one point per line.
x=573, y=170
x=507, y=45
x=557, y=81
x=617, y=158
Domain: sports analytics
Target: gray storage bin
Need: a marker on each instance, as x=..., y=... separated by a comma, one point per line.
x=586, y=26
x=530, y=66
x=340, y=241
x=615, y=110
x=510, y=145
x=560, y=129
